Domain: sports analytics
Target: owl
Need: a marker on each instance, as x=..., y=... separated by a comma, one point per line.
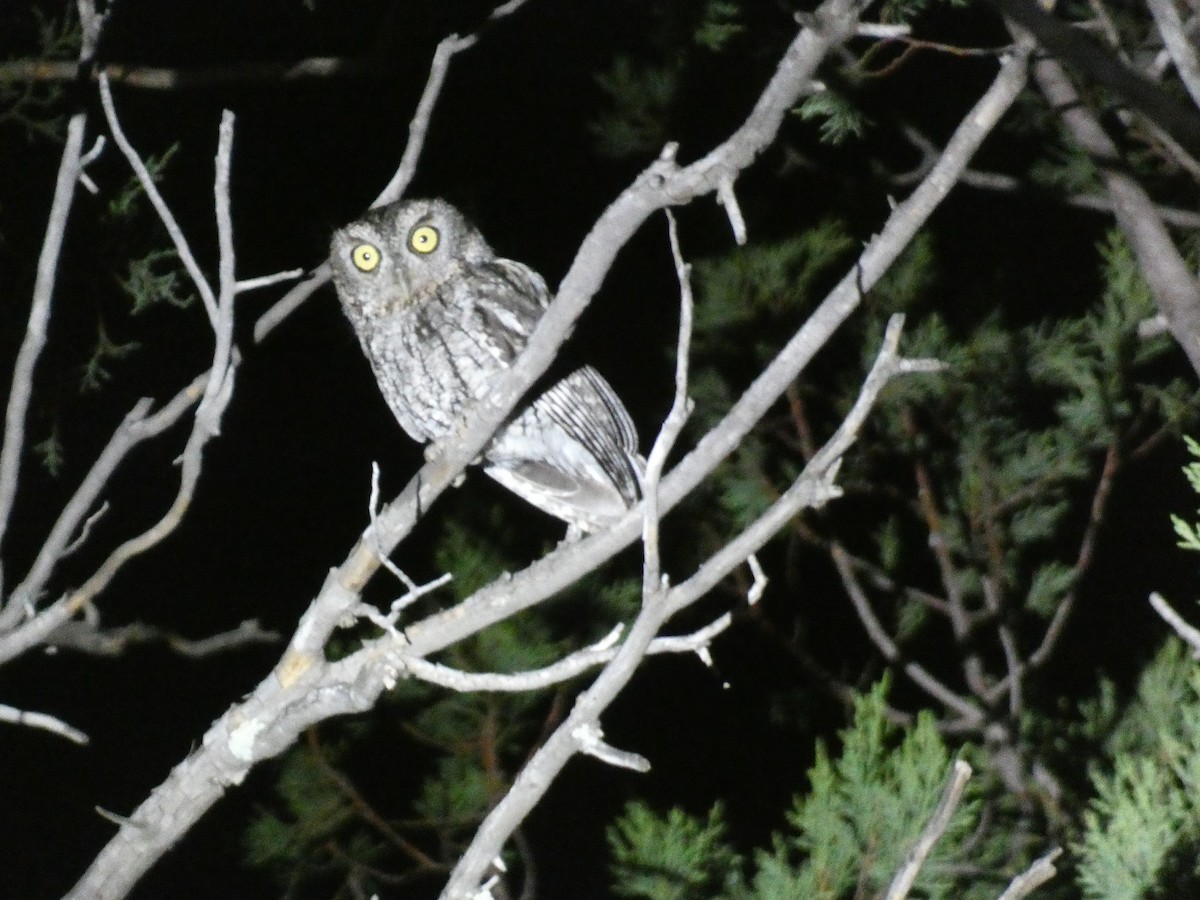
x=439, y=315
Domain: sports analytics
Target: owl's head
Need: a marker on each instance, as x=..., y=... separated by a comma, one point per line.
x=397, y=254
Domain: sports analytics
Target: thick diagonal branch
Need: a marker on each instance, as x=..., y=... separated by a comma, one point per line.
x=1174, y=286
x=1074, y=47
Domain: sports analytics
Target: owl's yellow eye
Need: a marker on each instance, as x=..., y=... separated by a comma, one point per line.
x=424, y=239
x=365, y=257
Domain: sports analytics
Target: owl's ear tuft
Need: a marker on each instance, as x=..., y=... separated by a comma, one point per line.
x=366, y=257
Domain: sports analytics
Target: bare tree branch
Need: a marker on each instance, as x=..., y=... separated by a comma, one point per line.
x=41, y=720
x=146, y=180
x=88, y=637
x=932, y=833
x=937, y=689
x=998, y=181
x=1181, y=49
x=1130, y=117
x=1189, y=633
x=565, y=669
x=218, y=389
x=162, y=78
x=70, y=171
x=1175, y=288
x=1034, y=877
x=135, y=428
x=672, y=427
x=1082, y=53
x=21, y=391
x=213, y=390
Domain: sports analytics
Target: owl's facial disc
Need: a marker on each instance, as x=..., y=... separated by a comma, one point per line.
x=424, y=239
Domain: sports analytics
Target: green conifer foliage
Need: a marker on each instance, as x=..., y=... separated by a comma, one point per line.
x=845, y=838
x=1141, y=831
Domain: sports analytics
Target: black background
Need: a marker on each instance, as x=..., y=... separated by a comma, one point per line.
x=285, y=488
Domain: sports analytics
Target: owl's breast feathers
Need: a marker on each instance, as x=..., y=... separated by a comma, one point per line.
x=435, y=355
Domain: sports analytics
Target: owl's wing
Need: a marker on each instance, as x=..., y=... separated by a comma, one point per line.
x=586, y=406
x=507, y=299
x=573, y=452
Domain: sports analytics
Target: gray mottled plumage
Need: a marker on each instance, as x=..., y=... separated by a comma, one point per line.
x=438, y=315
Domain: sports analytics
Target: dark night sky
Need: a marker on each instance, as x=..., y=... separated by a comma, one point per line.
x=285, y=489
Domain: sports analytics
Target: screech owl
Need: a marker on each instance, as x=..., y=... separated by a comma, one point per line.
x=439, y=315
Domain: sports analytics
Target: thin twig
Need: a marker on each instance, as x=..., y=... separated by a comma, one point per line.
x=248, y=632
x=364, y=809
x=42, y=721
x=54, y=548
x=931, y=514
x=163, y=78
x=388, y=622
x=146, y=180
x=565, y=669
x=86, y=530
x=1035, y=876
x=754, y=594
x=1190, y=634
x=952, y=583
x=226, y=259
x=89, y=637
x=21, y=391
x=134, y=428
x=590, y=740
x=1000, y=182
x=373, y=516
x=262, y=281
x=1083, y=559
x=218, y=388
x=733, y=211
x=926, y=680
x=993, y=598
x=882, y=31
x=672, y=427
x=932, y=833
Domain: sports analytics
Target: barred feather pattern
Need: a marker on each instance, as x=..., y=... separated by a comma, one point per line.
x=438, y=316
